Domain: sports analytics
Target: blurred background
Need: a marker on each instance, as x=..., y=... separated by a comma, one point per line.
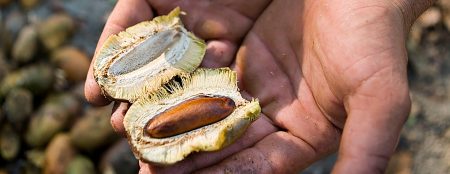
x=45, y=124
x=47, y=127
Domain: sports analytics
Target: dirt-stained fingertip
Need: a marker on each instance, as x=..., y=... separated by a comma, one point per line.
x=118, y=112
x=93, y=93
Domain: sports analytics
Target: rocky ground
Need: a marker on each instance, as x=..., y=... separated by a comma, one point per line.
x=46, y=126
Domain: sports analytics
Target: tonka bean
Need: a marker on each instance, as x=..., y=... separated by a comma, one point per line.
x=190, y=115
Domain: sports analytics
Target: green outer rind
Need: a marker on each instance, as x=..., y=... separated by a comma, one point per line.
x=165, y=151
x=119, y=44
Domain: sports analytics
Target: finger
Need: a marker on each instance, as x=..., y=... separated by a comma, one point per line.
x=118, y=112
x=376, y=113
x=411, y=10
x=143, y=168
x=280, y=152
x=212, y=20
x=219, y=53
x=125, y=13
x=257, y=131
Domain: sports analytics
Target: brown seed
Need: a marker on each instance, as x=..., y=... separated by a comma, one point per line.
x=28, y=4
x=74, y=62
x=190, y=115
x=4, y=2
x=58, y=154
x=56, y=30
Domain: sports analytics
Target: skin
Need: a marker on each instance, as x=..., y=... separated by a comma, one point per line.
x=330, y=76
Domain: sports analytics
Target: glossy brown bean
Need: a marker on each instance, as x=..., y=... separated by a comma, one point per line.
x=190, y=115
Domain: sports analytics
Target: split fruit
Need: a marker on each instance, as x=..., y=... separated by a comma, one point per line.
x=177, y=107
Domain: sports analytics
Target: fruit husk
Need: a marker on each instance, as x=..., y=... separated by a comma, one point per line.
x=155, y=58
x=59, y=154
x=14, y=21
x=51, y=118
x=26, y=44
x=36, y=78
x=54, y=31
x=9, y=142
x=4, y=66
x=28, y=4
x=78, y=90
x=80, y=165
x=7, y=38
x=119, y=159
x=2, y=116
x=4, y=2
x=18, y=106
x=93, y=130
x=203, y=82
x=29, y=168
x=73, y=62
x=22, y=166
x=36, y=157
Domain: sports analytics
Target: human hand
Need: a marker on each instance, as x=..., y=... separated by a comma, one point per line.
x=222, y=24
x=328, y=74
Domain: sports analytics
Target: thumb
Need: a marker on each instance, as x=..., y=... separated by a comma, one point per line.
x=411, y=9
x=377, y=110
x=376, y=113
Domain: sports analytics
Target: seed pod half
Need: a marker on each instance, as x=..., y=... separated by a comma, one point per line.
x=58, y=155
x=80, y=164
x=214, y=83
x=93, y=130
x=26, y=45
x=9, y=142
x=55, y=30
x=18, y=106
x=52, y=117
x=73, y=62
x=145, y=56
x=4, y=2
x=35, y=78
x=4, y=66
x=36, y=157
x=28, y=4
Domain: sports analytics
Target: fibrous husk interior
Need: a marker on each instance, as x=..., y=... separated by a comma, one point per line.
x=145, y=56
x=203, y=82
